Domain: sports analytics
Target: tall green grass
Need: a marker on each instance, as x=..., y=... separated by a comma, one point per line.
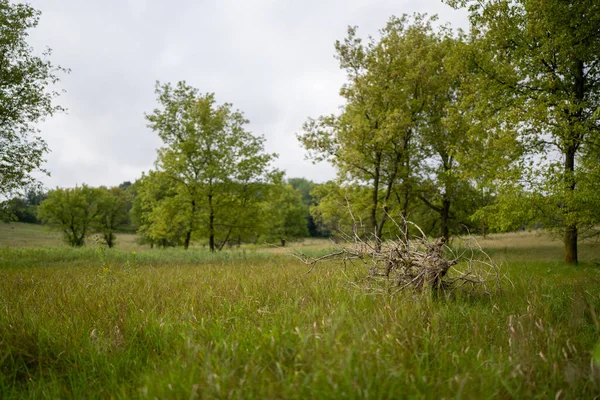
x=89, y=323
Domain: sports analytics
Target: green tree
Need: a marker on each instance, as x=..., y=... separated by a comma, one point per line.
x=72, y=211
x=459, y=152
x=542, y=58
x=287, y=214
x=342, y=208
x=25, y=98
x=214, y=165
x=24, y=209
x=305, y=188
x=113, y=212
x=153, y=214
x=374, y=140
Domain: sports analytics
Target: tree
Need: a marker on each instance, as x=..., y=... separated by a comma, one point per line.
x=215, y=167
x=71, y=211
x=458, y=151
x=543, y=59
x=287, y=214
x=154, y=212
x=341, y=208
x=305, y=188
x=374, y=140
x=25, y=98
x=113, y=212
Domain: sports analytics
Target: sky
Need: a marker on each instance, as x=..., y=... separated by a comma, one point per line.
x=272, y=59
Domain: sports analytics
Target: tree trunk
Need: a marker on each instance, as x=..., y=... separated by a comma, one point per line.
x=374, y=204
x=188, y=235
x=444, y=217
x=110, y=239
x=572, y=146
x=211, y=225
x=188, y=238
x=571, y=245
x=225, y=240
x=570, y=239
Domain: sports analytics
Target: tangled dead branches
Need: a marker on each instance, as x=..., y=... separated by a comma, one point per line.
x=415, y=262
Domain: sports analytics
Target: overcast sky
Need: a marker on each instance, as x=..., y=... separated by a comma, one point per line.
x=273, y=59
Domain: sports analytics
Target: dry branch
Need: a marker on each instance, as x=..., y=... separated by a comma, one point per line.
x=414, y=262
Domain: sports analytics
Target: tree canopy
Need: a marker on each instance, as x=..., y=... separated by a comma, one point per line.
x=26, y=97
x=214, y=168
x=541, y=60
x=396, y=133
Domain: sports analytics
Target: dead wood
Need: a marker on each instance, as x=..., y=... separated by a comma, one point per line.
x=416, y=262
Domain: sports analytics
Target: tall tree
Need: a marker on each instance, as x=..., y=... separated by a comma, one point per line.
x=459, y=152
x=373, y=141
x=544, y=57
x=25, y=97
x=214, y=164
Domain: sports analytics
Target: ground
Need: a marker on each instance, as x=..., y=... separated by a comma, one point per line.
x=247, y=323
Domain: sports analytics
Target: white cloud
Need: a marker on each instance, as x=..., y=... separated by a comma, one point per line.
x=273, y=59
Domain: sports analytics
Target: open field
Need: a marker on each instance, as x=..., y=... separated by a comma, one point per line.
x=140, y=323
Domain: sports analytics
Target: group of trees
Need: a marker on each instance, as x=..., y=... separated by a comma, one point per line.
x=406, y=139
x=496, y=128
x=151, y=206
x=24, y=208
x=213, y=179
x=83, y=210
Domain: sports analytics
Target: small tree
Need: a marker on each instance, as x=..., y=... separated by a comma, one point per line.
x=287, y=214
x=71, y=211
x=113, y=212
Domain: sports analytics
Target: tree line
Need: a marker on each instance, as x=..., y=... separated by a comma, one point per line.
x=145, y=207
x=486, y=130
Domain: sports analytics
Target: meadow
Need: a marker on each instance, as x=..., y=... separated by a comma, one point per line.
x=246, y=323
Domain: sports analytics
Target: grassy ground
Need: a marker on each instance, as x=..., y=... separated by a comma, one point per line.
x=84, y=323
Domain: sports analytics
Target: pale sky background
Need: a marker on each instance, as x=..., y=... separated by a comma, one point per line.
x=273, y=59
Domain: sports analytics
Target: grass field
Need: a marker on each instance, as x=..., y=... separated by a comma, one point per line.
x=138, y=323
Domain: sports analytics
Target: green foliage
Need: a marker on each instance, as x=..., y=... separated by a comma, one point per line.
x=24, y=209
x=406, y=131
x=156, y=222
x=25, y=98
x=373, y=141
x=305, y=188
x=335, y=205
x=113, y=212
x=541, y=62
x=83, y=210
x=213, y=169
x=287, y=214
x=71, y=211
